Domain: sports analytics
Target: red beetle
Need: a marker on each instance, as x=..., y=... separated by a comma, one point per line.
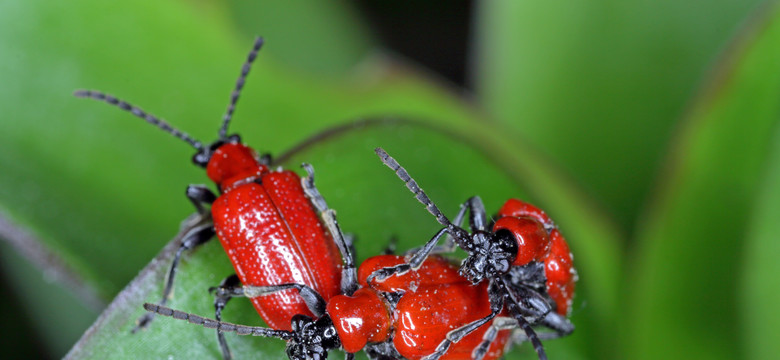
x=436, y=304
x=267, y=221
x=545, y=245
x=523, y=256
x=422, y=314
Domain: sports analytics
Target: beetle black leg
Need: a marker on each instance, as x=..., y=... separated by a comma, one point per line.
x=523, y=287
x=477, y=222
x=499, y=323
x=458, y=334
x=414, y=263
x=561, y=325
x=199, y=195
x=449, y=242
x=419, y=257
x=458, y=219
x=349, y=240
x=519, y=337
x=223, y=294
x=391, y=246
x=531, y=335
x=477, y=214
x=458, y=234
x=529, y=304
x=382, y=351
x=191, y=238
x=266, y=159
x=524, y=302
x=231, y=287
x=311, y=297
x=349, y=283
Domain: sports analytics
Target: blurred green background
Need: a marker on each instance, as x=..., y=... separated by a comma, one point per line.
x=646, y=129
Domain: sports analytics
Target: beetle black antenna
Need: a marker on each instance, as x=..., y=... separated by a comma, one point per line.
x=418, y=192
x=219, y=325
x=239, y=85
x=97, y=95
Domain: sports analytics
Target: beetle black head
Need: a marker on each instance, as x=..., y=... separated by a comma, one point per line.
x=489, y=255
x=312, y=339
x=202, y=157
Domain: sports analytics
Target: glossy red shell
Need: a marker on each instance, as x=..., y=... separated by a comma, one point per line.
x=518, y=208
x=273, y=235
x=360, y=319
x=560, y=273
x=436, y=300
x=558, y=260
x=435, y=270
x=424, y=317
x=533, y=243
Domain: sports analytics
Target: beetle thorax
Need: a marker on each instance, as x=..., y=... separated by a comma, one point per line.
x=312, y=339
x=489, y=256
x=234, y=162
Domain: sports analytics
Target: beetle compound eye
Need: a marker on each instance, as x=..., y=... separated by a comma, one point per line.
x=531, y=238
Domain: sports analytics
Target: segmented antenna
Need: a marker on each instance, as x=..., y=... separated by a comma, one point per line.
x=97, y=95
x=239, y=85
x=419, y=194
x=219, y=325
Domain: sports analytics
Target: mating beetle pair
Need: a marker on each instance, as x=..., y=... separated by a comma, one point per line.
x=299, y=269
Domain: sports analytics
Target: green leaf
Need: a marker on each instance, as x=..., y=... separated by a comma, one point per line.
x=401, y=217
x=85, y=176
x=325, y=37
x=36, y=307
x=761, y=290
x=684, y=297
x=101, y=192
x=598, y=85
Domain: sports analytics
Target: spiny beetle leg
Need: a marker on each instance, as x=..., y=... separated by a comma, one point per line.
x=199, y=195
x=313, y=300
x=414, y=263
x=349, y=283
x=222, y=294
x=499, y=323
x=191, y=238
